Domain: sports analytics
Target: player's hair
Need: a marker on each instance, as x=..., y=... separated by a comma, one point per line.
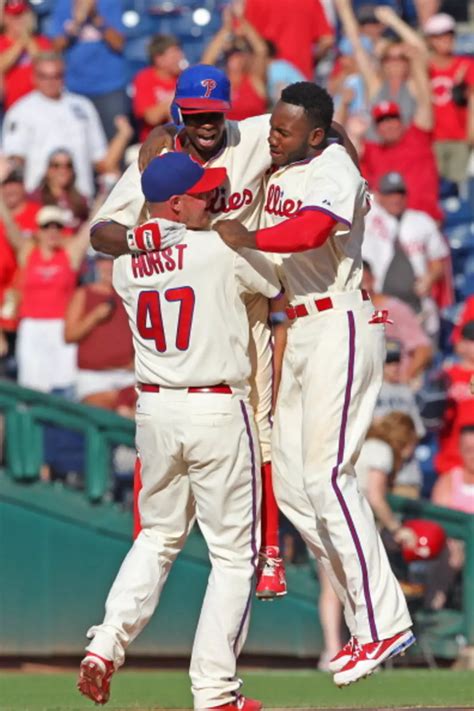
x=160, y=43
x=467, y=429
x=316, y=102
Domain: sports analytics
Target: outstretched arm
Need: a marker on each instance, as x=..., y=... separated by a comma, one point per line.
x=308, y=230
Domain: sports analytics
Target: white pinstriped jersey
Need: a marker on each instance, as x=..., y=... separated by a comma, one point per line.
x=332, y=184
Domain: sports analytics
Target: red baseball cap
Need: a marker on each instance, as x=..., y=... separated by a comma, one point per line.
x=15, y=7
x=385, y=109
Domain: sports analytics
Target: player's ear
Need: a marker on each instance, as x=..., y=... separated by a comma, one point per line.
x=316, y=137
x=176, y=203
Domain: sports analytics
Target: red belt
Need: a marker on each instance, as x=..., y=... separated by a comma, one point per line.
x=321, y=304
x=222, y=388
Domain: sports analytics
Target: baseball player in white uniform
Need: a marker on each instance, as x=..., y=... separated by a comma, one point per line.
x=203, y=97
x=332, y=370
x=195, y=434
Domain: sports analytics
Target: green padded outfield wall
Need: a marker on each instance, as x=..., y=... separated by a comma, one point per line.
x=59, y=554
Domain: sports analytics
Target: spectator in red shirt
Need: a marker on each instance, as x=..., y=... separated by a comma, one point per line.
x=154, y=87
x=18, y=45
x=460, y=407
x=96, y=320
x=17, y=215
x=452, y=85
x=245, y=53
x=294, y=28
x=405, y=150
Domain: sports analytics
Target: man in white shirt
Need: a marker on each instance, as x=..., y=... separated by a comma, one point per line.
x=405, y=249
x=196, y=434
x=51, y=118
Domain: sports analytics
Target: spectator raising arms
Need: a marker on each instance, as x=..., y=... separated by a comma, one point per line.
x=21, y=211
x=245, y=63
x=58, y=187
x=154, y=87
x=90, y=33
x=51, y=118
x=48, y=275
x=18, y=46
x=452, y=84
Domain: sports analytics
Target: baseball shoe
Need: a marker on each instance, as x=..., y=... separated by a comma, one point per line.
x=271, y=580
x=94, y=678
x=367, y=657
x=240, y=704
x=343, y=657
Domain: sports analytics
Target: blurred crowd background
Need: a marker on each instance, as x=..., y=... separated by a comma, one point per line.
x=82, y=83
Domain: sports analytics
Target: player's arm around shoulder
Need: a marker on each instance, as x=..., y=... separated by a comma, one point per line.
x=120, y=211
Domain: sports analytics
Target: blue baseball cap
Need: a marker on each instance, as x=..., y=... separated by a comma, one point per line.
x=202, y=89
x=178, y=174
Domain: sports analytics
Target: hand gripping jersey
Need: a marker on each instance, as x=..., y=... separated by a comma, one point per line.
x=332, y=184
x=186, y=312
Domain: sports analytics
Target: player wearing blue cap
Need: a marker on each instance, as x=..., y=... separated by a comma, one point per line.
x=202, y=98
x=195, y=433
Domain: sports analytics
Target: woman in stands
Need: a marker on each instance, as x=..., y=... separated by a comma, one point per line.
x=245, y=54
x=58, y=187
x=49, y=265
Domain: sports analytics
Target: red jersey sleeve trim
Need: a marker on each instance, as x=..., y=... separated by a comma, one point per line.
x=305, y=231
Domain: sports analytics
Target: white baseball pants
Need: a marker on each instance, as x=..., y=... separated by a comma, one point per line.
x=199, y=459
x=332, y=373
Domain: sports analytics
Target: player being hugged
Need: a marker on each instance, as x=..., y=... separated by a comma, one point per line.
x=313, y=222
x=195, y=434
x=202, y=100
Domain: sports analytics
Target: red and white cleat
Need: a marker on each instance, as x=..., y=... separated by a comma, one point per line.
x=94, y=678
x=367, y=657
x=271, y=579
x=344, y=656
x=240, y=704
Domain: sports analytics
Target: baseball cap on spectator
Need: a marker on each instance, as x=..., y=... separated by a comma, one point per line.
x=393, y=350
x=467, y=331
x=366, y=15
x=178, y=174
x=50, y=213
x=15, y=7
x=15, y=175
x=385, y=109
x=392, y=183
x=439, y=24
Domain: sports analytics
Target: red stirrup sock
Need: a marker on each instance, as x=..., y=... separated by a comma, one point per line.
x=270, y=514
x=137, y=485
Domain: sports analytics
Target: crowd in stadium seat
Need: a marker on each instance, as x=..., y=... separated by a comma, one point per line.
x=83, y=83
